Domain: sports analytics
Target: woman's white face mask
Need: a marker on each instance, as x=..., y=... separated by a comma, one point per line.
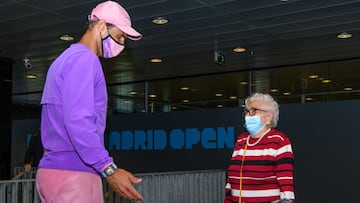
x=253, y=124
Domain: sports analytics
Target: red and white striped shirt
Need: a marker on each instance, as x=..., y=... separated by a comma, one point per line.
x=266, y=169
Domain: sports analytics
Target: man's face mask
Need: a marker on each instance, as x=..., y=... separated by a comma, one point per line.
x=110, y=47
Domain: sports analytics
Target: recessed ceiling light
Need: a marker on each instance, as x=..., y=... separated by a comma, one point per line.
x=244, y=83
x=160, y=21
x=219, y=106
x=155, y=60
x=233, y=97
x=239, y=49
x=152, y=95
x=326, y=81
x=185, y=100
x=218, y=94
x=184, y=88
x=287, y=93
x=313, y=76
x=348, y=88
x=309, y=99
x=344, y=35
x=133, y=92
x=66, y=38
x=274, y=90
x=31, y=76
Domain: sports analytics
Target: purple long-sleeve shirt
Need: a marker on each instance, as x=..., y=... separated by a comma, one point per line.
x=73, y=118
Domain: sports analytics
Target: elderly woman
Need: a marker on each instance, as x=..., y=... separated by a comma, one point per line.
x=261, y=167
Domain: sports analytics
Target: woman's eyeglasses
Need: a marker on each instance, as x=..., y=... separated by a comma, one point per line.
x=252, y=111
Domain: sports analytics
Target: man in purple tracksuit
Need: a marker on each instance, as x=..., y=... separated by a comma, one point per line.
x=73, y=119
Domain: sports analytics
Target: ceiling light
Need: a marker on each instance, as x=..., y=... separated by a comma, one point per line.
x=309, y=99
x=219, y=106
x=160, y=21
x=133, y=92
x=326, y=81
x=184, y=88
x=185, y=100
x=313, y=76
x=31, y=76
x=287, y=93
x=239, y=49
x=344, y=35
x=152, y=95
x=233, y=97
x=66, y=38
x=348, y=88
x=155, y=60
x=274, y=90
x=218, y=94
x=244, y=83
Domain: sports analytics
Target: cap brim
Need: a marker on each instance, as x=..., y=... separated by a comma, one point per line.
x=131, y=32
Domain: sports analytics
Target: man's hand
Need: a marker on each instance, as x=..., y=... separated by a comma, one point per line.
x=121, y=182
x=27, y=168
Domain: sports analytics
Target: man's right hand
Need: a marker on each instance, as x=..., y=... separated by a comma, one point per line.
x=122, y=183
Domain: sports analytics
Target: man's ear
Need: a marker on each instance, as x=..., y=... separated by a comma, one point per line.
x=101, y=26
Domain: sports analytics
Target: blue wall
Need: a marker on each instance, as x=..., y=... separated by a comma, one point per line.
x=324, y=137
x=326, y=140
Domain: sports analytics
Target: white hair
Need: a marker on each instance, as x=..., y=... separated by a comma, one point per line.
x=269, y=105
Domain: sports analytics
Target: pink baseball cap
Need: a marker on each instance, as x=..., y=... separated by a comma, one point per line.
x=113, y=13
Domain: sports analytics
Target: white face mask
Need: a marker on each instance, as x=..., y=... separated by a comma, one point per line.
x=110, y=47
x=253, y=124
